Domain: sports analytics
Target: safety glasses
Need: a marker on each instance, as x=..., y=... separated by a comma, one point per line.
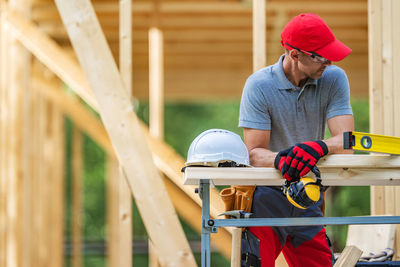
x=314, y=56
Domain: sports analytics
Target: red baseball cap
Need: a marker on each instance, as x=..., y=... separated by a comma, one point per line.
x=310, y=33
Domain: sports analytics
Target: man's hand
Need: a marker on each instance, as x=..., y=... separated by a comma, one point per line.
x=298, y=160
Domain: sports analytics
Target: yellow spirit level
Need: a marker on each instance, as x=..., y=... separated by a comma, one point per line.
x=371, y=142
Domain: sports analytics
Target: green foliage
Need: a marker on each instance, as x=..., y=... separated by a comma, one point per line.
x=183, y=122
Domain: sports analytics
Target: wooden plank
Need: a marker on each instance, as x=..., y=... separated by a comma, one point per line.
x=375, y=87
x=396, y=109
x=156, y=83
x=360, y=161
x=361, y=236
x=42, y=190
x=36, y=165
x=113, y=234
x=270, y=176
x=19, y=80
x=125, y=43
x=236, y=256
x=3, y=138
x=122, y=125
x=51, y=54
x=259, y=34
x=58, y=195
x=387, y=69
x=77, y=198
x=153, y=259
x=125, y=231
x=156, y=93
x=349, y=257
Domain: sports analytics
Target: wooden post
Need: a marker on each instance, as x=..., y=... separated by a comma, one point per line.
x=259, y=34
x=156, y=75
x=77, y=207
x=125, y=198
x=156, y=82
x=236, y=247
x=112, y=179
x=3, y=136
x=19, y=62
x=156, y=95
x=123, y=127
x=259, y=61
x=120, y=219
x=384, y=60
x=56, y=244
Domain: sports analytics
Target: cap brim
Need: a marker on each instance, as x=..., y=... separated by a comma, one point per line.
x=334, y=51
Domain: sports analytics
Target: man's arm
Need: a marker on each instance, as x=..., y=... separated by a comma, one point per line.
x=337, y=126
x=257, y=142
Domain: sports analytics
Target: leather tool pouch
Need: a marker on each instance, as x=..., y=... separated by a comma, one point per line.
x=238, y=197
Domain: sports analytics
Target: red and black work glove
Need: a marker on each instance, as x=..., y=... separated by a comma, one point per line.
x=298, y=160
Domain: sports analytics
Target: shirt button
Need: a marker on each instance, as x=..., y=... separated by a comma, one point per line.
x=299, y=109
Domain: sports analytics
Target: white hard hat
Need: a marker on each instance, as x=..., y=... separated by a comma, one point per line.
x=216, y=146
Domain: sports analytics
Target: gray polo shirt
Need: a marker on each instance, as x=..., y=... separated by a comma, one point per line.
x=271, y=102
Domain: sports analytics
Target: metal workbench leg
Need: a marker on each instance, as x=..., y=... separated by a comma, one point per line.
x=204, y=193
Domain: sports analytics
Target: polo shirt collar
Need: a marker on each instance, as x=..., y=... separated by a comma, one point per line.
x=283, y=82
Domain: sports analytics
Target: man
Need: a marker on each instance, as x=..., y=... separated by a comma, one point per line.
x=283, y=112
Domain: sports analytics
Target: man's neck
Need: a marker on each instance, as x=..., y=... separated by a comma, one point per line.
x=292, y=73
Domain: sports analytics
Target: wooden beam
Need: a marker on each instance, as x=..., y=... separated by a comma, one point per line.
x=153, y=259
x=41, y=249
x=339, y=174
x=52, y=55
x=123, y=255
x=3, y=137
x=16, y=202
x=361, y=236
x=77, y=191
x=259, y=35
x=236, y=247
x=156, y=82
x=113, y=236
x=349, y=257
x=116, y=111
x=57, y=203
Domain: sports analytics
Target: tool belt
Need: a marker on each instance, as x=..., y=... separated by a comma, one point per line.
x=238, y=197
